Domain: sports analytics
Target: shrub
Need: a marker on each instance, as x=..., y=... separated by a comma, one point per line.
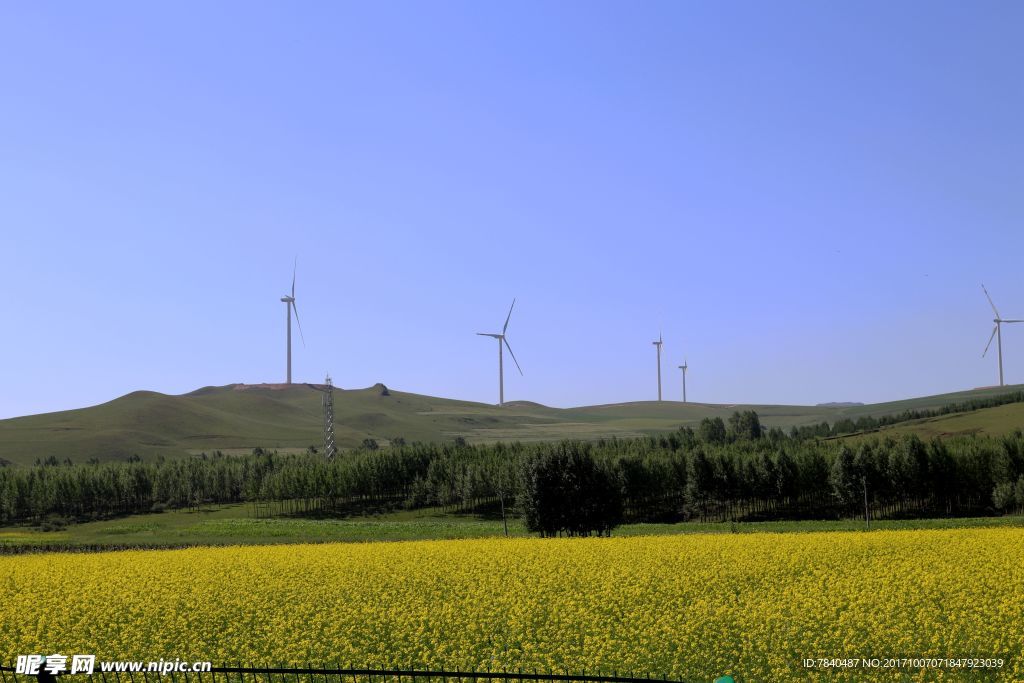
x=54, y=523
x=1002, y=496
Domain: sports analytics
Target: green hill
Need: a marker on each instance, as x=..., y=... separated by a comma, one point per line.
x=240, y=417
x=994, y=421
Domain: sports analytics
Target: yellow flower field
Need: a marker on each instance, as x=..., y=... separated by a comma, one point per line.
x=692, y=607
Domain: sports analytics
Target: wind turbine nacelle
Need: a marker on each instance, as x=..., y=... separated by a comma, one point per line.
x=287, y=299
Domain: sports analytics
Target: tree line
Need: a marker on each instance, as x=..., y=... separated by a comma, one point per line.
x=721, y=470
x=869, y=423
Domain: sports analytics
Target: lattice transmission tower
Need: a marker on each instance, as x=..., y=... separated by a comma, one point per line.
x=330, y=448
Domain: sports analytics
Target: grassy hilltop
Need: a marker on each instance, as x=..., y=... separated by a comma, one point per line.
x=239, y=417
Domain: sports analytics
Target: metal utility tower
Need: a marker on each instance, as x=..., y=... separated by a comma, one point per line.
x=658, y=345
x=501, y=362
x=683, y=368
x=997, y=333
x=330, y=448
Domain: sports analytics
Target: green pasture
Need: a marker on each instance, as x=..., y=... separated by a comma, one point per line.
x=238, y=418
x=236, y=525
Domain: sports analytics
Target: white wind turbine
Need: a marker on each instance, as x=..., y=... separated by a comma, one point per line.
x=658, y=344
x=684, y=367
x=501, y=363
x=289, y=301
x=997, y=332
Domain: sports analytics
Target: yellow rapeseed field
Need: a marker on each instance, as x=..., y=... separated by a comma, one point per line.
x=692, y=607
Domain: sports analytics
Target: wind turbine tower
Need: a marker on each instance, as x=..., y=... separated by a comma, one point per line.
x=683, y=368
x=289, y=302
x=501, y=363
x=997, y=332
x=658, y=345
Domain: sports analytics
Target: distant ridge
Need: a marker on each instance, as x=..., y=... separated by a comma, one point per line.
x=524, y=404
x=237, y=418
x=840, y=404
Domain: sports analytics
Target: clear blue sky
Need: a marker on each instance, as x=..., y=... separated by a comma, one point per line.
x=803, y=196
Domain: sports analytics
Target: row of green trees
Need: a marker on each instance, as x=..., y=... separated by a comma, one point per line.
x=870, y=423
x=565, y=490
x=723, y=470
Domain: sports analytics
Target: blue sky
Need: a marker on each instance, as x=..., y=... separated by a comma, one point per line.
x=803, y=197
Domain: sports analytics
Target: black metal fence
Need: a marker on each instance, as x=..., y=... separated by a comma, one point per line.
x=249, y=674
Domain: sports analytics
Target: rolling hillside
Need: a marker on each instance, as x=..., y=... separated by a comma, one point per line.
x=993, y=421
x=239, y=417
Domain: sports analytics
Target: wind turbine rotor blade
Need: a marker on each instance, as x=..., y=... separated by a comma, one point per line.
x=509, y=316
x=295, y=268
x=990, y=301
x=1011, y=321
x=296, y=310
x=994, y=329
x=512, y=354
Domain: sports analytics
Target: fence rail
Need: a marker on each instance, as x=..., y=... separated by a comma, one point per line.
x=270, y=674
